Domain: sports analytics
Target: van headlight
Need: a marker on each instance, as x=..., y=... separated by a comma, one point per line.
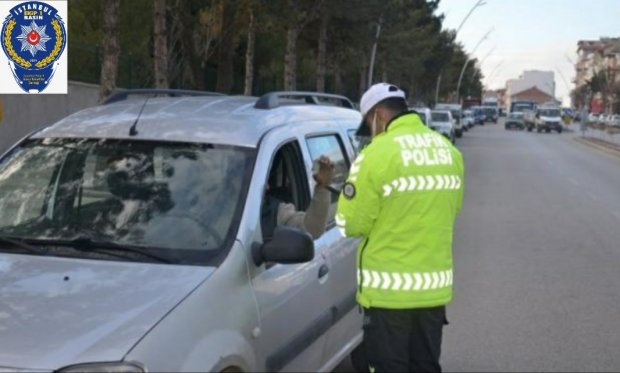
x=116, y=367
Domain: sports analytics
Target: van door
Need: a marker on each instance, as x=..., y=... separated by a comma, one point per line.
x=339, y=254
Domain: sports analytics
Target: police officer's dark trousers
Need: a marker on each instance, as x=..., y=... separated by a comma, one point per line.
x=404, y=340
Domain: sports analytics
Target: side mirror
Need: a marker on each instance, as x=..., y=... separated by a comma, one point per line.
x=288, y=246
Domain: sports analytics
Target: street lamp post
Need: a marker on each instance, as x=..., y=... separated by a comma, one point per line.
x=471, y=81
x=458, y=85
x=478, y=4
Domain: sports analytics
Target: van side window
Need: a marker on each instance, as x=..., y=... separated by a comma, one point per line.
x=331, y=147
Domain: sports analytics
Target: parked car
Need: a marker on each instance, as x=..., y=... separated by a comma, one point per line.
x=456, y=114
x=443, y=123
x=593, y=118
x=615, y=121
x=479, y=115
x=131, y=238
x=468, y=119
x=425, y=114
x=515, y=120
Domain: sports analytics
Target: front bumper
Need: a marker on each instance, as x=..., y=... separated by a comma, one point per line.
x=551, y=126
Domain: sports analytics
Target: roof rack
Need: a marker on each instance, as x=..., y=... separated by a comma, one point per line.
x=122, y=95
x=272, y=100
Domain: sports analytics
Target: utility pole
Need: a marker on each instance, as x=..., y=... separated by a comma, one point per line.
x=371, y=68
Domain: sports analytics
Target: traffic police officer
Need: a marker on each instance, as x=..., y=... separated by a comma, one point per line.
x=402, y=197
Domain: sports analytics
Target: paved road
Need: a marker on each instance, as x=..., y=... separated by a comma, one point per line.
x=537, y=256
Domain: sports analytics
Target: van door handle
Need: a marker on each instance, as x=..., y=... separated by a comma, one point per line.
x=323, y=271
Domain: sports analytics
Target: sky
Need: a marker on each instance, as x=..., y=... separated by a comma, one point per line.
x=531, y=35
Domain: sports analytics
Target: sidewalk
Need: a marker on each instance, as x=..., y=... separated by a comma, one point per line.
x=600, y=144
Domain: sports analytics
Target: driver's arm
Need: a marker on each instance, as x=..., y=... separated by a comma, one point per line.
x=313, y=220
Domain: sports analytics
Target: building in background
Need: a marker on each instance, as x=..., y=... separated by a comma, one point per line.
x=598, y=57
x=535, y=85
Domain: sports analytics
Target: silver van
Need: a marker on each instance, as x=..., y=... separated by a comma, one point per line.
x=131, y=238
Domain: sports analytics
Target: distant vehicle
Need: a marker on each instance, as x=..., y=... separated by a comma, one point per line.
x=490, y=101
x=469, y=103
x=593, y=117
x=425, y=114
x=515, y=120
x=443, y=123
x=522, y=105
x=478, y=115
x=615, y=121
x=456, y=111
x=545, y=118
x=468, y=119
x=491, y=114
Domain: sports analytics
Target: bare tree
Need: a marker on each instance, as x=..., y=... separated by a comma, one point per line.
x=226, y=47
x=160, y=58
x=111, y=48
x=321, y=66
x=249, y=56
x=301, y=13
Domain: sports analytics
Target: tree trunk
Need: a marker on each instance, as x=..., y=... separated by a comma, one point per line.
x=160, y=58
x=322, y=54
x=338, y=86
x=363, y=82
x=249, y=57
x=194, y=62
x=290, y=59
x=226, y=48
x=111, y=48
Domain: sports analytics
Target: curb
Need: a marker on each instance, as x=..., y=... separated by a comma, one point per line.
x=597, y=146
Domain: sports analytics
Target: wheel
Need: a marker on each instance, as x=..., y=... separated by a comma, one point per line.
x=529, y=129
x=538, y=129
x=459, y=134
x=559, y=130
x=548, y=130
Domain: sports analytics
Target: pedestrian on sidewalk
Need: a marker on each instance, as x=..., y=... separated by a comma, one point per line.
x=402, y=197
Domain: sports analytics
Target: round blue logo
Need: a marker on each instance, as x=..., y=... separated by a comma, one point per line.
x=33, y=38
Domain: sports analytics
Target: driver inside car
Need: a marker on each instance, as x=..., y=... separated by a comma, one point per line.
x=276, y=212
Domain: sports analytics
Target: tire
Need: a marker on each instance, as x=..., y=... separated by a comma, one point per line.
x=548, y=130
x=529, y=129
x=559, y=130
x=459, y=134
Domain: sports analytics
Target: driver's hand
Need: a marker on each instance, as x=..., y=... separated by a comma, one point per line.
x=325, y=174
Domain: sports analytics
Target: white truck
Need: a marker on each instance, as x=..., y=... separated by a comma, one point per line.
x=544, y=118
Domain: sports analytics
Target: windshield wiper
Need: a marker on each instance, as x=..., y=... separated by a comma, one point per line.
x=19, y=242
x=87, y=244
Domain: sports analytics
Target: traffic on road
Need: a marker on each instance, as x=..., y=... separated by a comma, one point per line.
x=309, y=186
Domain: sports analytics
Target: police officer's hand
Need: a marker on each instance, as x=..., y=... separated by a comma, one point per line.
x=325, y=174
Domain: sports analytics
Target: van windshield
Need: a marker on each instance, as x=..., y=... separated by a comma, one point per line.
x=440, y=117
x=180, y=200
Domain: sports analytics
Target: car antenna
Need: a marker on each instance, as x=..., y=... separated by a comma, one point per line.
x=133, y=131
